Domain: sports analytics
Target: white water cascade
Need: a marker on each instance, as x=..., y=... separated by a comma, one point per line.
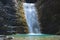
x=31, y=18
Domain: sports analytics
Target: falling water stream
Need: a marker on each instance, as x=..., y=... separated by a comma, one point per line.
x=31, y=18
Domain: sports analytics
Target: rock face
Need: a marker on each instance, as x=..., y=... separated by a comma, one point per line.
x=12, y=19
x=49, y=16
x=30, y=1
x=7, y=12
x=7, y=15
x=21, y=19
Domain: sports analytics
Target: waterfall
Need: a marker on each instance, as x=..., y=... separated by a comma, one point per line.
x=31, y=18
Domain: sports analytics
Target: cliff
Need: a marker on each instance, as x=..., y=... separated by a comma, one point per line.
x=48, y=12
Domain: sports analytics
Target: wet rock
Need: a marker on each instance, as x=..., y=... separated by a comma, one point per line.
x=49, y=11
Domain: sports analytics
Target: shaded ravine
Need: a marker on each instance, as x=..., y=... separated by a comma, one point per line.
x=31, y=18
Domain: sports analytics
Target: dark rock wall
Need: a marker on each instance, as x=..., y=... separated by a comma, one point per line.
x=12, y=19
x=49, y=16
x=31, y=1
x=7, y=15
